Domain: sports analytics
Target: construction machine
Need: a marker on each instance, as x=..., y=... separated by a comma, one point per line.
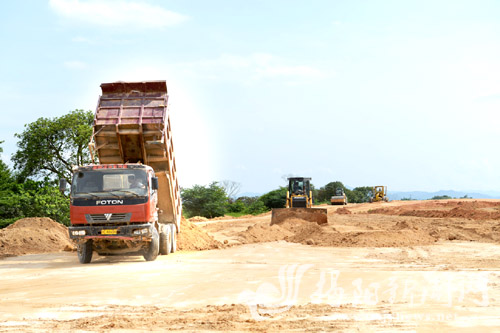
x=379, y=193
x=127, y=203
x=339, y=198
x=299, y=202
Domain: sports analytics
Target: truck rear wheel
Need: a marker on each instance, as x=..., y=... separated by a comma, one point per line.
x=154, y=247
x=174, y=239
x=165, y=240
x=85, y=252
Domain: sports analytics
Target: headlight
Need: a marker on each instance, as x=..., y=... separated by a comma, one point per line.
x=78, y=232
x=140, y=231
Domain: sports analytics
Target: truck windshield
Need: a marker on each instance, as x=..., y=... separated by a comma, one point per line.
x=109, y=182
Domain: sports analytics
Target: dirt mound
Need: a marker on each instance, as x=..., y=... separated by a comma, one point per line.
x=475, y=210
x=262, y=233
x=304, y=232
x=394, y=224
x=473, y=214
x=401, y=225
x=43, y=235
x=34, y=235
x=281, y=215
x=343, y=210
x=197, y=219
x=193, y=238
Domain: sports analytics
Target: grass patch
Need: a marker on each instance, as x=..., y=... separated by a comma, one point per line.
x=236, y=214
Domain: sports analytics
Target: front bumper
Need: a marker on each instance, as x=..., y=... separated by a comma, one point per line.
x=137, y=232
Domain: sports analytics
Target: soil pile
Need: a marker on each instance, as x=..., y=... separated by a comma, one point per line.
x=310, y=233
x=343, y=210
x=317, y=215
x=43, y=235
x=34, y=235
x=474, y=210
x=193, y=238
x=259, y=233
x=197, y=219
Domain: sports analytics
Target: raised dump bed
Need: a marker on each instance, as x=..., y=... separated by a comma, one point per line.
x=132, y=125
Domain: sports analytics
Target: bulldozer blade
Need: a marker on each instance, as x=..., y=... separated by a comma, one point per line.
x=318, y=215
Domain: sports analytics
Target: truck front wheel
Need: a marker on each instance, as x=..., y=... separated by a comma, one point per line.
x=154, y=247
x=84, y=251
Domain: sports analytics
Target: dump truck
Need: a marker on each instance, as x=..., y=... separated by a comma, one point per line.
x=379, y=193
x=339, y=198
x=127, y=202
x=299, y=201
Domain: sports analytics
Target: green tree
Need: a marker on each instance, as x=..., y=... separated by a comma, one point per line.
x=34, y=199
x=29, y=199
x=275, y=198
x=51, y=146
x=208, y=201
x=256, y=207
x=248, y=200
x=359, y=194
x=327, y=191
x=6, y=177
x=441, y=197
x=237, y=206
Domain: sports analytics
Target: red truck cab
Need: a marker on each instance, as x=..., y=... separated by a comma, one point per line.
x=114, y=208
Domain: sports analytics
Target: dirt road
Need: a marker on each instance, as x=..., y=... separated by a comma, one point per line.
x=363, y=272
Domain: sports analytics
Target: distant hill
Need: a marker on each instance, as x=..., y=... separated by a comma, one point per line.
x=420, y=195
x=249, y=194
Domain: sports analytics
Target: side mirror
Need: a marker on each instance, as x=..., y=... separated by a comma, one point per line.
x=154, y=183
x=62, y=185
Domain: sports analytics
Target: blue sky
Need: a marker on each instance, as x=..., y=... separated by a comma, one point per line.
x=400, y=93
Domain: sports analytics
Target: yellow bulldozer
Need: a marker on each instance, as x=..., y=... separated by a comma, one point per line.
x=379, y=193
x=299, y=201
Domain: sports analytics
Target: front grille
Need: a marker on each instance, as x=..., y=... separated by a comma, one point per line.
x=299, y=202
x=108, y=218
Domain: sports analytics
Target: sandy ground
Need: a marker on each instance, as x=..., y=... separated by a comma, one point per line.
x=397, y=266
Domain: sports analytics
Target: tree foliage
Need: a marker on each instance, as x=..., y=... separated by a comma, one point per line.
x=33, y=199
x=356, y=195
x=275, y=198
x=442, y=197
x=326, y=192
x=208, y=201
x=246, y=205
x=49, y=147
x=29, y=199
x=6, y=177
x=359, y=194
x=256, y=207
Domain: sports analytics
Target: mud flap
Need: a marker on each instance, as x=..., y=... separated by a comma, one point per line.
x=318, y=215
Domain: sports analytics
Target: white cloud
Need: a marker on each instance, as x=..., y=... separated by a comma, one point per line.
x=117, y=13
x=75, y=64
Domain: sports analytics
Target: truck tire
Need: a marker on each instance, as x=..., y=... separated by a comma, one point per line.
x=165, y=240
x=174, y=238
x=154, y=247
x=84, y=252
